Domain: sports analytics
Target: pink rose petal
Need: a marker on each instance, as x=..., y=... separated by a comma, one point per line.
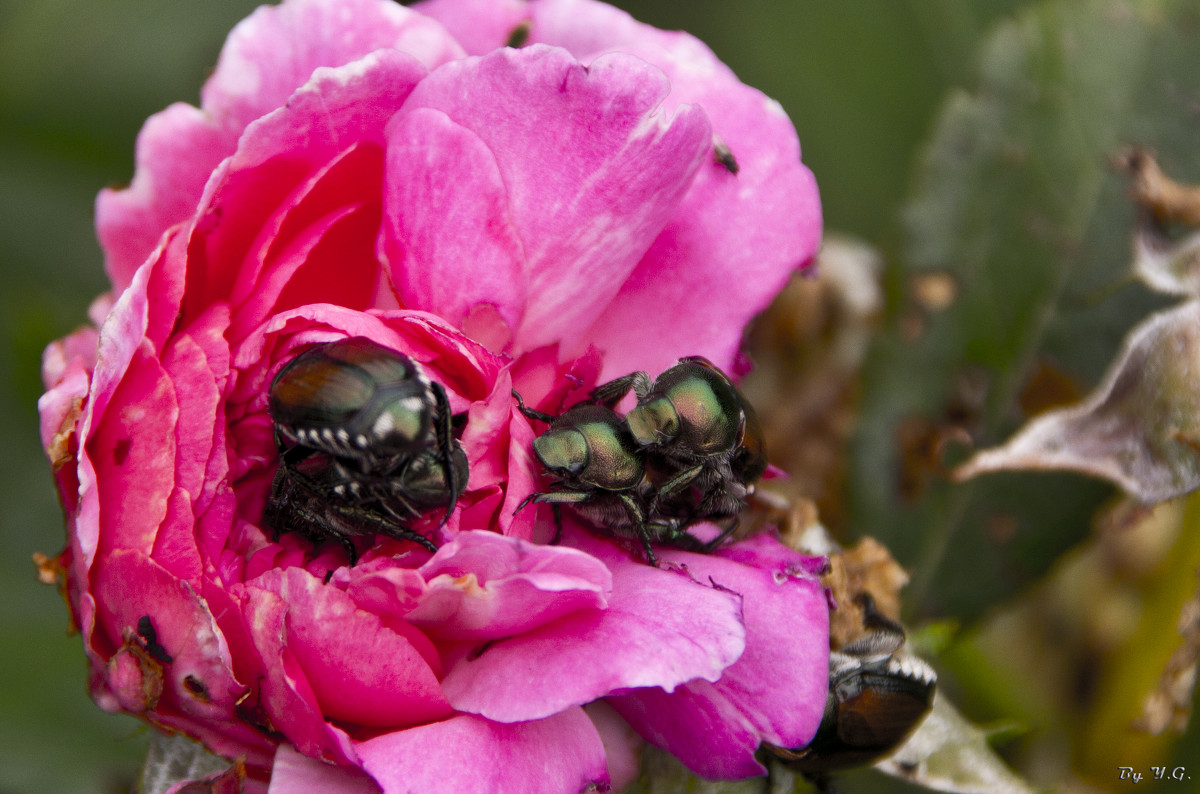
x=561, y=753
x=293, y=773
x=600, y=189
x=446, y=205
x=483, y=586
x=284, y=700
x=267, y=57
x=200, y=693
x=750, y=229
x=661, y=628
x=775, y=692
x=522, y=219
x=331, y=639
x=336, y=109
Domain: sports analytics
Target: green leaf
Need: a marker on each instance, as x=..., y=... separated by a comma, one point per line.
x=1015, y=206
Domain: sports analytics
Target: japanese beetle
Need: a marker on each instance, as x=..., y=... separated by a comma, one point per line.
x=877, y=697
x=598, y=466
x=705, y=432
x=365, y=445
x=602, y=474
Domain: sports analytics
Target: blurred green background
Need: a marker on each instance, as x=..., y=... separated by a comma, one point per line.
x=941, y=131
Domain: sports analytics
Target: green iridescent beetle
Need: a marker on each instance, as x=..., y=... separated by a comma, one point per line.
x=365, y=445
x=702, y=431
x=689, y=451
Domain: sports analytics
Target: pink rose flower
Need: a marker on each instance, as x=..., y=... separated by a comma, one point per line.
x=539, y=218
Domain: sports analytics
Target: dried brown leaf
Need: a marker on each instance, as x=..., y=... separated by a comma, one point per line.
x=1167, y=199
x=1169, y=706
x=867, y=568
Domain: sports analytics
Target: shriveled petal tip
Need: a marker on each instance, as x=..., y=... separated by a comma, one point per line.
x=1140, y=428
x=561, y=754
x=660, y=628
x=184, y=664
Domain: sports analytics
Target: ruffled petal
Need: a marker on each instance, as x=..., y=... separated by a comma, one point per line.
x=480, y=26
x=361, y=670
x=266, y=57
x=484, y=586
x=293, y=773
x=446, y=208
x=282, y=180
x=737, y=235
x=588, y=206
x=561, y=754
x=775, y=692
x=661, y=628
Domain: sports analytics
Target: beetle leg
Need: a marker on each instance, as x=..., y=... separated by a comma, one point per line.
x=531, y=413
x=274, y=514
x=299, y=478
x=445, y=441
x=611, y=393
x=351, y=551
x=382, y=526
x=386, y=506
x=679, y=481
x=295, y=455
x=302, y=518
x=557, y=510
x=725, y=533
x=555, y=504
x=525, y=501
x=559, y=497
x=639, y=523
x=674, y=486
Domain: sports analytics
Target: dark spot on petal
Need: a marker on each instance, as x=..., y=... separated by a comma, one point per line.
x=145, y=630
x=121, y=451
x=723, y=155
x=197, y=688
x=519, y=35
